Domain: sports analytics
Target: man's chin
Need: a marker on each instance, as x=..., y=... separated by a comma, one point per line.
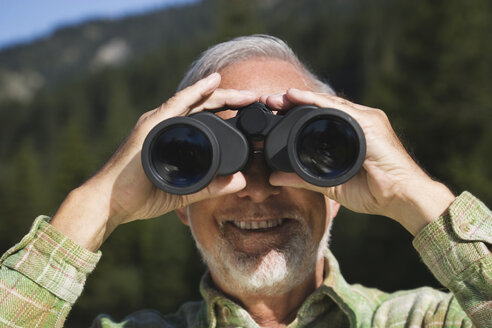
x=266, y=274
x=272, y=266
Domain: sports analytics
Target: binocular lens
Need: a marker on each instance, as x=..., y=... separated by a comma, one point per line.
x=324, y=146
x=181, y=155
x=327, y=148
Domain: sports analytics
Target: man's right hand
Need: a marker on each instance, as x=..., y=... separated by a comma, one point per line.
x=120, y=192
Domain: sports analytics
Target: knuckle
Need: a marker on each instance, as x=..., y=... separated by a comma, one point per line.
x=180, y=202
x=170, y=102
x=142, y=119
x=380, y=115
x=174, y=201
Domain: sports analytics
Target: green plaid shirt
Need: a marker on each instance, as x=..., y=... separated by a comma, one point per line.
x=42, y=276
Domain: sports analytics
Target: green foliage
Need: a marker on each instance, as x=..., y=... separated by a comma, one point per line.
x=427, y=64
x=24, y=193
x=437, y=87
x=238, y=18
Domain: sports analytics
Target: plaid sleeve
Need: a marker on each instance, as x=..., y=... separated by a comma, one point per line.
x=456, y=249
x=41, y=277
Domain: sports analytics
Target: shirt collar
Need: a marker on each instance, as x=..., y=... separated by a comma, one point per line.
x=221, y=311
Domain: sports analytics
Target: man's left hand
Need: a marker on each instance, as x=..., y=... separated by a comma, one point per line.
x=390, y=183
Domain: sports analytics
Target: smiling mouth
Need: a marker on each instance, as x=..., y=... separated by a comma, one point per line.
x=257, y=235
x=255, y=225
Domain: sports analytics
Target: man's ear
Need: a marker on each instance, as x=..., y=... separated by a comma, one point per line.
x=182, y=214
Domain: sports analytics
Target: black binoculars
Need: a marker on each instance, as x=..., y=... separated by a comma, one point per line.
x=324, y=146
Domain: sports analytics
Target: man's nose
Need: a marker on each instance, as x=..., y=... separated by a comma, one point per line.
x=257, y=174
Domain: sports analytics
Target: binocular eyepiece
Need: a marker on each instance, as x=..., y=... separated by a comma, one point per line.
x=324, y=146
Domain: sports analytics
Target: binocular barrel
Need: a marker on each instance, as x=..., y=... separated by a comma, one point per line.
x=324, y=146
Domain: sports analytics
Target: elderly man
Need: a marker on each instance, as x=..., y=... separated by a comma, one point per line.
x=263, y=234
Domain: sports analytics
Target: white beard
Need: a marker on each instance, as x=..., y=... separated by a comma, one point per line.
x=274, y=273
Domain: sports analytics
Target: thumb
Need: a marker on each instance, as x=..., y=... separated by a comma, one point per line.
x=285, y=179
x=220, y=186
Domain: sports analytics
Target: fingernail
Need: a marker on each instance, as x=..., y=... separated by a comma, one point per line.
x=212, y=79
x=213, y=76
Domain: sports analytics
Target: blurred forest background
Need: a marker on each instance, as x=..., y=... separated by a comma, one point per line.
x=68, y=100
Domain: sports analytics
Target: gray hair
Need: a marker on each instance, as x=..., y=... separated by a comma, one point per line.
x=242, y=48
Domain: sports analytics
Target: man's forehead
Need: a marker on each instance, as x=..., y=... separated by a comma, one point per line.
x=264, y=76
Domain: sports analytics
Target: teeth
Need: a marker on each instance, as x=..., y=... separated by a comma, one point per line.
x=254, y=225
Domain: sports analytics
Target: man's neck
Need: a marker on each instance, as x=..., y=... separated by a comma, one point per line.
x=276, y=311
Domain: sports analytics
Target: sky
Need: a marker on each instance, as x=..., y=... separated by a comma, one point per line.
x=25, y=20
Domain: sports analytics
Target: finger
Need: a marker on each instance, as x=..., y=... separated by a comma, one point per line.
x=278, y=101
x=224, y=185
x=225, y=98
x=178, y=105
x=299, y=97
x=183, y=101
x=220, y=186
x=263, y=99
x=284, y=179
